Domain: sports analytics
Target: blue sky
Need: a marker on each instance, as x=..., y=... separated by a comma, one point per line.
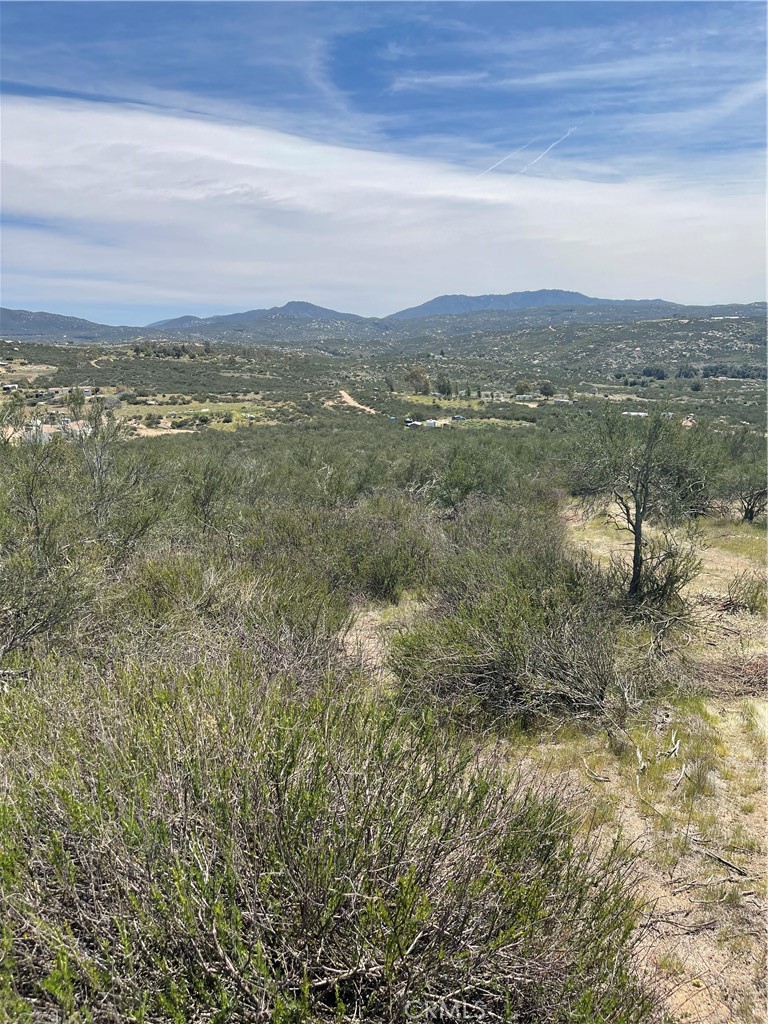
x=164, y=158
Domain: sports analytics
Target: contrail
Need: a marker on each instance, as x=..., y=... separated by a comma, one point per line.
x=541, y=156
x=548, y=150
x=507, y=157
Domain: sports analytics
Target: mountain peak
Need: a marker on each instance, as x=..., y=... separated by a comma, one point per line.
x=309, y=309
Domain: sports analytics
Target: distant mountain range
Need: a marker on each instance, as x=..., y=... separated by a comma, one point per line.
x=447, y=305
x=303, y=323
x=443, y=305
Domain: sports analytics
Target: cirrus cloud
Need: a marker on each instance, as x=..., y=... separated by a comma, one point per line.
x=166, y=212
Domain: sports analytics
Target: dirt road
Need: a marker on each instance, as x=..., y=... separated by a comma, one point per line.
x=349, y=400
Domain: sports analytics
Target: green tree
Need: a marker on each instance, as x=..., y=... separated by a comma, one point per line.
x=637, y=471
x=418, y=379
x=547, y=388
x=443, y=386
x=744, y=476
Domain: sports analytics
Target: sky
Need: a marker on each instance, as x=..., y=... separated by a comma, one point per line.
x=168, y=158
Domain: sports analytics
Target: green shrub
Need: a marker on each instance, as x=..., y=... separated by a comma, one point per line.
x=472, y=467
x=202, y=847
x=179, y=608
x=373, y=549
x=387, y=548
x=522, y=639
x=40, y=598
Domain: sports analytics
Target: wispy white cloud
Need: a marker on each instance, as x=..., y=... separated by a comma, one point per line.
x=704, y=115
x=639, y=69
x=199, y=215
x=633, y=69
x=445, y=80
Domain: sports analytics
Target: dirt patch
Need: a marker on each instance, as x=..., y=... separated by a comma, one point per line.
x=347, y=399
x=142, y=431
x=365, y=642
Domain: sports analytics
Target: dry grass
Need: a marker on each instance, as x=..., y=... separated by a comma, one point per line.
x=25, y=371
x=687, y=783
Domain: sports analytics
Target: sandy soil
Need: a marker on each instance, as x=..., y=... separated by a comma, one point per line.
x=142, y=431
x=347, y=399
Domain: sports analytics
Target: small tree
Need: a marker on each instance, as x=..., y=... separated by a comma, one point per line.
x=636, y=472
x=752, y=496
x=546, y=388
x=746, y=487
x=443, y=386
x=418, y=378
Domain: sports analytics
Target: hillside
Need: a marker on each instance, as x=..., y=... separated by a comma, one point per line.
x=23, y=323
x=293, y=310
x=302, y=325
x=448, y=304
